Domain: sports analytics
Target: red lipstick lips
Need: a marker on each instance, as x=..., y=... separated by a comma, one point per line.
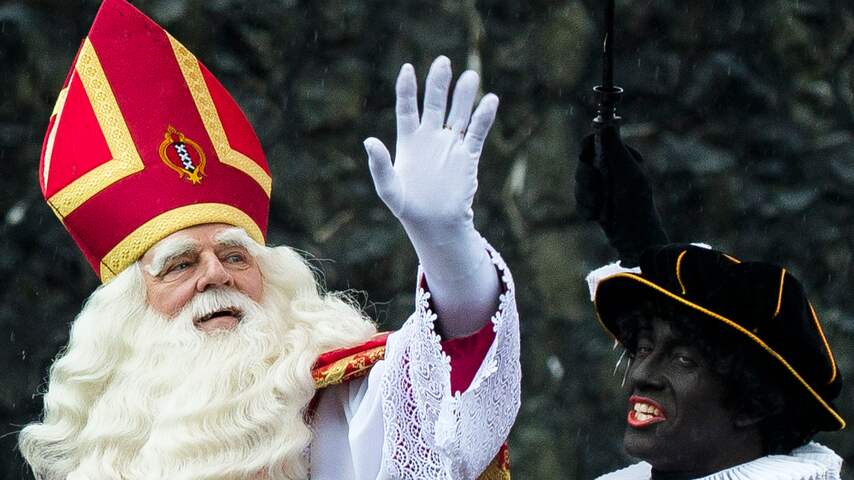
x=644, y=412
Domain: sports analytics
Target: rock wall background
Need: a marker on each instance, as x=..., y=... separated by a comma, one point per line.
x=743, y=109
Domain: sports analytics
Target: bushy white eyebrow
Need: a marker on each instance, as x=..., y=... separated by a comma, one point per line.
x=168, y=249
x=237, y=237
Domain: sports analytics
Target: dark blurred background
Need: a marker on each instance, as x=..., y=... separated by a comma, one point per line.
x=743, y=109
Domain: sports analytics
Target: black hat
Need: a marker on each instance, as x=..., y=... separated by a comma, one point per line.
x=761, y=301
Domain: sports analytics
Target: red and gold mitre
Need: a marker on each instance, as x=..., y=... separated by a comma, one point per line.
x=143, y=142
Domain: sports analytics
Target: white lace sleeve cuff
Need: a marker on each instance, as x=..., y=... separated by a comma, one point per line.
x=429, y=432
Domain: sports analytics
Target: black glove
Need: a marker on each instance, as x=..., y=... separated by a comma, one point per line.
x=612, y=189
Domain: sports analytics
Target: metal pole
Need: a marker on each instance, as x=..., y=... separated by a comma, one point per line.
x=607, y=47
x=607, y=95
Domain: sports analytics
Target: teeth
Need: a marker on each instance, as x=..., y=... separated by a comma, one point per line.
x=642, y=416
x=646, y=409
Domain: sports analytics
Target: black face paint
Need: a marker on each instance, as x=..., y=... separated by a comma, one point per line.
x=677, y=419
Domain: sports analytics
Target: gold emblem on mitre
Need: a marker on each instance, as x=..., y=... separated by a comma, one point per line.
x=183, y=155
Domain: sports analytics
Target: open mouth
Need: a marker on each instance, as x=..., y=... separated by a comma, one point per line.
x=644, y=412
x=212, y=317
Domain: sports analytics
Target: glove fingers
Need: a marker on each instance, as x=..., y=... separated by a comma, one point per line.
x=610, y=148
x=589, y=193
x=406, y=89
x=610, y=137
x=588, y=150
x=481, y=122
x=385, y=178
x=464, y=95
x=637, y=156
x=436, y=93
x=618, y=162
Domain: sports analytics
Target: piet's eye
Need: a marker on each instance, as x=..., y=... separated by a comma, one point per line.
x=643, y=348
x=684, y=361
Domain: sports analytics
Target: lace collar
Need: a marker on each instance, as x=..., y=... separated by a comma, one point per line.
x=810, y=462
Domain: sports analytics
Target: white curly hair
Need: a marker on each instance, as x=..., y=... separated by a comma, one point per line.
x=135, y=395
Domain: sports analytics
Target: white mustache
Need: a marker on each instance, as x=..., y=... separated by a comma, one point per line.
x=216, y=300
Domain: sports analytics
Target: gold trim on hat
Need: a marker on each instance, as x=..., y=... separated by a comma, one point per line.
x=213, y=125
x=731, y=258
x=679, y=271
x=780, y=293
x=134, y=246
x=826, y=345
x=57, y=113
x=60, y=101
x=734, y=325
x=126, y=160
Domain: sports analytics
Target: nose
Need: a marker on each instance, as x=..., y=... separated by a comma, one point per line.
x=645, y=374
x=212, y=273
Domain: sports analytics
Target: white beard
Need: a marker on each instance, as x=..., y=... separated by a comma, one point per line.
x=182, y=404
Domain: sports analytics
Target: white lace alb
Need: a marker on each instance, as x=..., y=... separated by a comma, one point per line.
x=432, y=433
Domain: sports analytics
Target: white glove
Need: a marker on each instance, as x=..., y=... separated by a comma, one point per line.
x=431, y=186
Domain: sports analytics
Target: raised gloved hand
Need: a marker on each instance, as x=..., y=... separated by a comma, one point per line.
x=430, y=188
x=612, y=189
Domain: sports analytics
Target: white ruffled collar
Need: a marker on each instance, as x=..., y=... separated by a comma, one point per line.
x=810, y=462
